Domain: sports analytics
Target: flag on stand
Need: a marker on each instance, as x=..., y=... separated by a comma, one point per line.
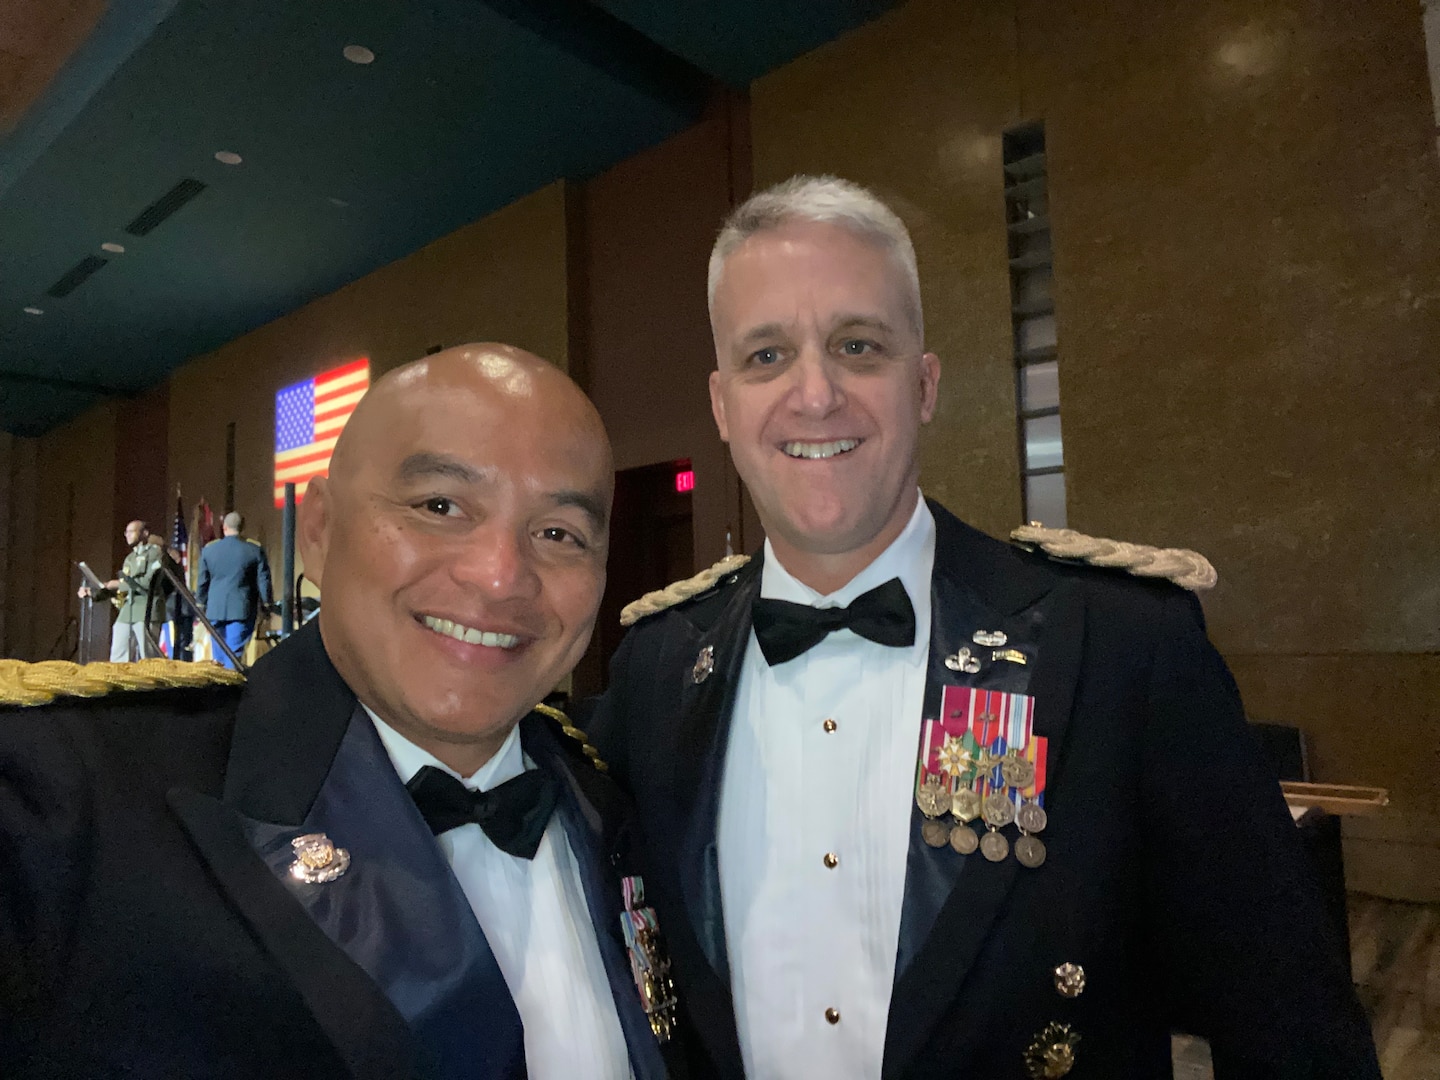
x=179, y=541
x=308, y=420
x=202, y=531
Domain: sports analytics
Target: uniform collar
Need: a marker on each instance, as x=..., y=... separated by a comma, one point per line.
x=409, y=759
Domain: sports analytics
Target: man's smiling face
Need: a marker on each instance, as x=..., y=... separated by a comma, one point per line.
x=820, y=388
x=460, y=545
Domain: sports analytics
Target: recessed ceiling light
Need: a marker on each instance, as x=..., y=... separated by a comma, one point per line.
x=228, y=157
x=34, y=311
x=114, y=249
x=358, y=54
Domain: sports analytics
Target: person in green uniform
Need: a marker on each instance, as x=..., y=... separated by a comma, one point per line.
x=139, y=577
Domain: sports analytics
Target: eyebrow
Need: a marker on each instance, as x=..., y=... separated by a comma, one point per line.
x=844, y=322
x=594, y=509
x=419, y=466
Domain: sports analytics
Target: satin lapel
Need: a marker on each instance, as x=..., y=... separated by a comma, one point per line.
x=595, y=816
x=288, y=727
x=367, y=1032
x=1043, y=616
x=705, y=700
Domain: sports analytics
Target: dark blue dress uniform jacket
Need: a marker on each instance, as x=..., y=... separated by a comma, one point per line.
x=234, y=579
x=149, y=926
x=1174, y=877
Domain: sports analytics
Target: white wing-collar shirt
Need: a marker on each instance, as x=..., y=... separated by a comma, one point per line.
x=814, y=827
x=534, y=916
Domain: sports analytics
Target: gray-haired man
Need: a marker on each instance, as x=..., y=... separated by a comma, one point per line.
x=930, y=805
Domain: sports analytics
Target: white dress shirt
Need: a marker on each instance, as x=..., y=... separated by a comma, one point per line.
x=814, y=828
x=534, y=916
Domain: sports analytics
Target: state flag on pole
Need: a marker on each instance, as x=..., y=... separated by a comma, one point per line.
x=308, y=420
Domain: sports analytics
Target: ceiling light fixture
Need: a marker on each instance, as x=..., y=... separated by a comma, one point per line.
x=358, y=54
x=34, y=311
x=114, y=249
x=228, y=157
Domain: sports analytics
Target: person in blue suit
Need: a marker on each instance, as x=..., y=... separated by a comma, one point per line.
x=234, y=585
x=379, y=855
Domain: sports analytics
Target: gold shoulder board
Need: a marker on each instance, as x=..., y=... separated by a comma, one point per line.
x=42, y=683
x=574, y=733
x=674, y=593
x=1188, y=569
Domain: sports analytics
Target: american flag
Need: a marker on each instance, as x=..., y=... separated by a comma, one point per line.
x=179, y=541
x=308, y=419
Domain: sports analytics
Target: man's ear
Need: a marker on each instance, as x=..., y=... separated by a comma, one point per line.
x=717, y=407
x=929, y=386
x=312, y=528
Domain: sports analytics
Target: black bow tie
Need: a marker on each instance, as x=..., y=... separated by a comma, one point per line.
x=513, y=814
x=786, y=630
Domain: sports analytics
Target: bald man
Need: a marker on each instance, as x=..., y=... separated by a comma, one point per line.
x=375, y=858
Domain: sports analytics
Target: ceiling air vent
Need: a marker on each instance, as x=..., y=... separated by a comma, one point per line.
x=164, y=206
x=77, y=276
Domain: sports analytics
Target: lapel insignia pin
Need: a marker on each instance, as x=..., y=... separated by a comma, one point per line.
x=704, y=664
x=1052, y=1054
x=317, y=860
x=991, y=639
x=1070, y=980
x=965, y=661
x=1015, y=656
x=649, y=963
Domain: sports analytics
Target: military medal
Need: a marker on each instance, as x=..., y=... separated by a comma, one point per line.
x=1016, y=771
x=1029, y=851
x=966, y=805
x=936, y=833
x=964, y=840
x=649, y=963
x=933, y=797
x=1031, y=817
x=994, y=846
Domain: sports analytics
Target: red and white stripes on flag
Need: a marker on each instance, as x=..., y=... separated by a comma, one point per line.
x=308, y=419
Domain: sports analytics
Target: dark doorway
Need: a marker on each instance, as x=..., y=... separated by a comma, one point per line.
x=652, y=543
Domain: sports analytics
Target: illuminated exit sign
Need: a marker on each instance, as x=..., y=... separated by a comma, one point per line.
x=685, y=480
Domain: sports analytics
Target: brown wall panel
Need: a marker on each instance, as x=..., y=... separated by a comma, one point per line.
x=648, y=226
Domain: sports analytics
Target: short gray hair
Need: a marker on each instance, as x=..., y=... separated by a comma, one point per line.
x=830, y=201
x=233, y=520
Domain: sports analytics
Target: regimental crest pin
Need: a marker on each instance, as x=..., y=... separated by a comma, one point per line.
x=704, y=664
x=1052, y=1054
x=649, y=961
x=317, y=859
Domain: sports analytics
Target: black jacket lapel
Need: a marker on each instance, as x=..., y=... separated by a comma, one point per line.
x=367, y=1032
x=288, y=727
x=708, y=667
x=1034, y=608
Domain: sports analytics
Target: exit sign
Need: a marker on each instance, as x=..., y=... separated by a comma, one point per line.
x=685, y=480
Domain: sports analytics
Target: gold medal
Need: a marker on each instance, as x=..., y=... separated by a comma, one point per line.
x=966, y=804
x=1016, y=771
x=999, y=810
x=1030, y=851
x=964, y=840
x=1031, y=817
x=994, y=846
x=933, y=797
x=935, y=833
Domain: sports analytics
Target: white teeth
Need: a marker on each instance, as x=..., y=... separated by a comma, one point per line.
x=469, y=635
x=816, y=451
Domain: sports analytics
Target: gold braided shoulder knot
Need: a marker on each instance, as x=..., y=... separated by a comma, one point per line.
x=1188, y=569
x=677, y=591
x=575, y=733
x=22, y=683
